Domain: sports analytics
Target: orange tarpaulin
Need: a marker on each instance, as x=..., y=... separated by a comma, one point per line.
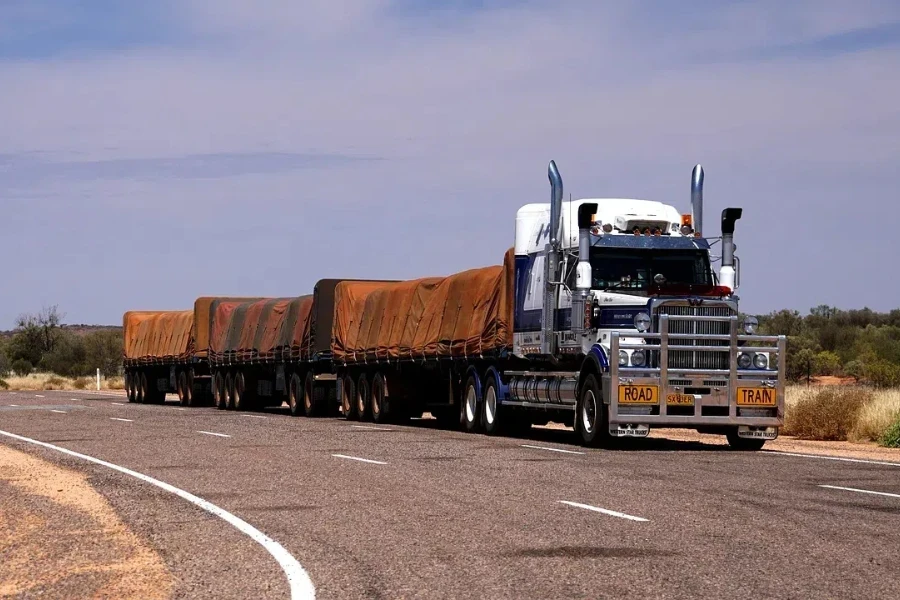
x=154, y=337
x=465, y=314
x=263, y=329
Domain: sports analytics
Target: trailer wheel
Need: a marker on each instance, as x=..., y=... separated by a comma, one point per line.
x=189, y=397
x=294, y=392
x=471, y=405
x=589, y=413
x=311, y=404
x=492, y=416
x=348, y=397
x=129, y=386
x=377, y=403
x=229, y=390
x=240, y=384
x=180, y=387
x=219, y=391
x=362, y=397
x=143, y=389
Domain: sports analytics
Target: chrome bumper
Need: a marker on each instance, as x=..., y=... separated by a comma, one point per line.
x=714, y=391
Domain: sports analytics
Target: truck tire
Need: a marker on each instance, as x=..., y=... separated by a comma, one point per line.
x=377, y=400
x=143, y=389
x=492, y=416
x=746, y=444
x=348, y=397
x=471, y=405
x=295, y=391
x=362, y=397
x=240, y=391
x=189, y=398
x=589, y=414
x=219, y=391
x=129, y=387
x=229, y=390
x=311, y=404
x=181, y=387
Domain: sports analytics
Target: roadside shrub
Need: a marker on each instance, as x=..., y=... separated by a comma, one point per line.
x=81, y=383
x=877, y=416
x=3, y=385
x=22, y=367
x=54, y=382
x=829, y=413
x=891, y=437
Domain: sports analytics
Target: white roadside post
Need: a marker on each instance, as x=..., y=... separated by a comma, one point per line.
x=98, y=380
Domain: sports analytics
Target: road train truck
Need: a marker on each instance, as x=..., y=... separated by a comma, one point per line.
x=619, y=323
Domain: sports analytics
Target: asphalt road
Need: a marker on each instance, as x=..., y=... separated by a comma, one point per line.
x=441, y=514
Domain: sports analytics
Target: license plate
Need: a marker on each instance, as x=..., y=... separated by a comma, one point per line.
x=629, y=430
x=679, y=400
x=638, y=394
x=756, y=396
x=758, y=433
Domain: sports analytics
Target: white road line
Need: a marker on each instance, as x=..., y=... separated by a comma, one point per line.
x=847, y=489
x=365, y=460
x=118, y=419
x=214, y=433
x=551, y=449
x=298, y=579
x=603, y=510
x=15, y=405
x=255, y=416
x=117, y=403
x=39, y=396
x=58, y=411
x=371, y=428
x=854, y=460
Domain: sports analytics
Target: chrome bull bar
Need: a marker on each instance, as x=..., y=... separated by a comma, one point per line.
x=690, y=397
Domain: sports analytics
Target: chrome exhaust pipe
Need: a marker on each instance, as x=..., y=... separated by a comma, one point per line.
x=697, y=199
x=548, y=315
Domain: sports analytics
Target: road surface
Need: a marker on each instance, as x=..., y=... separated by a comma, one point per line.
x=416, y=512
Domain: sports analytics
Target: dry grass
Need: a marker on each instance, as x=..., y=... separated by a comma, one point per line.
x=49, y=381
x=840, y=412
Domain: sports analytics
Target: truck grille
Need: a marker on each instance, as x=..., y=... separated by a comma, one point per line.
x=687, y=359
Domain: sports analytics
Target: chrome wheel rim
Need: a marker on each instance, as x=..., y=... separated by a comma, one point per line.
x=589, y=412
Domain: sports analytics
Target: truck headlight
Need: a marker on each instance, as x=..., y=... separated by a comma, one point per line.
x=638, y=358
x=750, y=324
x=623, y=358
x=642, y=322
x=744, y=360
x=761, y=361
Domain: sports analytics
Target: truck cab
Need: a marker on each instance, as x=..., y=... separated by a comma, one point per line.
x=624, y=290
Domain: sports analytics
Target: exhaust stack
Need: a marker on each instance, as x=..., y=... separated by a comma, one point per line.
x=548, y=315
x=697, y=198
x=580, y=320
x=726, y=271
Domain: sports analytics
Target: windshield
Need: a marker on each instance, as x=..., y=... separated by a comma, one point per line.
x=634, y=269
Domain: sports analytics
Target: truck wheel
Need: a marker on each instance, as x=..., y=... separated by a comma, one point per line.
x=143, y=389
x=189, y=398
x=311, y=404
x=739, y=443
x=348, y=397
x=240, y=384
x=229, y=390
x=362, y=397
x=219, y=391
x=181, y=388
x=471, y=405
x=377, y=400
x=491, y=419
x=129, y=387
x=589, y=413
x=295, y=391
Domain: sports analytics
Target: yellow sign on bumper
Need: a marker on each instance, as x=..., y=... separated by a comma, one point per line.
x=756, y=396
x=638, y=394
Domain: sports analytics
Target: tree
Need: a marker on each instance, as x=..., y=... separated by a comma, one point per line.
x=35, y=335
x=103, y=350
x=827, y=363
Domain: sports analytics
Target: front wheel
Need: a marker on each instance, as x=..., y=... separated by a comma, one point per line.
x=739, y=443
x=589, y=416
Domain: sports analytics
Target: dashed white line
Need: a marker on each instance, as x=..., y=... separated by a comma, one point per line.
x=551, y=449
x=848, y=489
x=301, y=585
x=214, y=433
x=365, y=460
x=371, y=428
x=605, y=511
x=117, y=404
x=853, y=460
x=58, y=411
x=39, y=396
x=15, y=405
x=256, y=416
x=118, y=419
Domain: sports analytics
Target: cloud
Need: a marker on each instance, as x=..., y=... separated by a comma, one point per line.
x=250, y=118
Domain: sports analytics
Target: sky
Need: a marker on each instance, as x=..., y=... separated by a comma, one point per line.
x=151, y=153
